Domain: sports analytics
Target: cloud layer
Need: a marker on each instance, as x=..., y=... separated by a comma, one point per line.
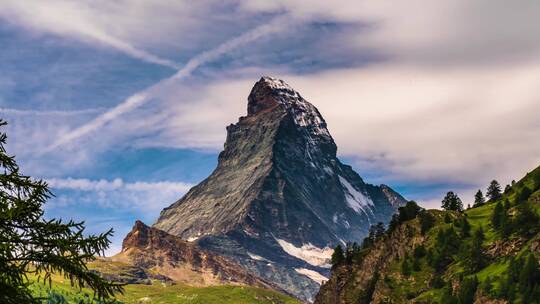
x=422, y=92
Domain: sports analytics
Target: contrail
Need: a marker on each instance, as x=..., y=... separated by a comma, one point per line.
x=142, y=97
x=75, y=22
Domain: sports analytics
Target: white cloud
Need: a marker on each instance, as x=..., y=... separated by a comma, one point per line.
x=116, y=194
x=430, y=33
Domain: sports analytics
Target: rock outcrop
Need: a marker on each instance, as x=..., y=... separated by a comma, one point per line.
x=156, y=254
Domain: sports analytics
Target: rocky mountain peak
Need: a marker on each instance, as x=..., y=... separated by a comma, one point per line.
x=279, y=195
x=268, y=93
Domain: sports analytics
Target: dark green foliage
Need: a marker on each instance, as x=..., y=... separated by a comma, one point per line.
x=447, y=218
x=536, y=180
x=479, y=199
x=447, y=244
x=427, y=221
x=522, y=280
x=406, y=266
x=464, y=226
x=405, y=213
x=467, y=290
x=494, y=191
x=474, y=258
x=409, y=211
x=376, y=232
x=367, y=294
x=352, y=253
x=452, y=202
x=506, y=205
x=523, y=195
x=497, y=216
x=31, y=244
x=338, y=256
x=487, y=285
x=527, y=221
x=507, y=189
x=420, y=252
x=529, y=279
x=448, y=296
x=436, y=281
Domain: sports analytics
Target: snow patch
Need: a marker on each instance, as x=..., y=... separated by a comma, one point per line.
x=355, y=199
x=315, y=276
x=308, y=252
x=256, y=257
x=192, y=239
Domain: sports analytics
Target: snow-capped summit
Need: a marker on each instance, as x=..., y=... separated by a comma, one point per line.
x=280, y=199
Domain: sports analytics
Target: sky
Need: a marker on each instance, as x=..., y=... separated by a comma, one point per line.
x=121, y=106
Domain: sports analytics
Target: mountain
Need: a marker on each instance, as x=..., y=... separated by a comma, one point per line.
x=486, y=254
x=279, y=199
x=160, y=255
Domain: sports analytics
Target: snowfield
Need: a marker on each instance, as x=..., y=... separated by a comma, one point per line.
x=311, y=254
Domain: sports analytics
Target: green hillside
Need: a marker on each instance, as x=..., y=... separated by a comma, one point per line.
x=488, y=254
x=61, y=291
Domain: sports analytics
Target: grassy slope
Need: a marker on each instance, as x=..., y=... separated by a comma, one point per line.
x=415, y=286
x=159, y=292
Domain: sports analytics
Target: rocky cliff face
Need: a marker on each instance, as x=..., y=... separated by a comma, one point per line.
x=279, y=199
x=349, y=281
x=157, y=253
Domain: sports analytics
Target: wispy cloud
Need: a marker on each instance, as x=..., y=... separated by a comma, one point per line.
x=116, y=194
x=83, y=184
x=18, y=112
x=139, y=98
x=72, y=19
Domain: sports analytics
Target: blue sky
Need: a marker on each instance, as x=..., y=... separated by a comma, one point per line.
x=122, y=106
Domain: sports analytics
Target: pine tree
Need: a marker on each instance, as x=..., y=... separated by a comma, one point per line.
x=527, y=221
x=452, y=202
x=406, y=266
x=427, y=221
x=479, y=199
x=523, y=195
x=494, y=191
x=29, y=243
x=529, y=279
x=447, y=296
x=467, y=290
x=497, y=216
x=474, y=257
x=338, y=256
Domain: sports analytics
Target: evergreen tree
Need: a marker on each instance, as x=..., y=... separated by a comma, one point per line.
x=506, y=205
x=338, y=256
x=527, y=221
x=497, y=216
x=452, y=202
x=465, y=227
x=494, y=191
x=474, y=257
x=523, y=195
x=427, y=221
x=447, y=296
x=406, y=266
x=29, y=243
x=529, y=278
x=479, y=199
x=507, y=189
x=467, y=290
